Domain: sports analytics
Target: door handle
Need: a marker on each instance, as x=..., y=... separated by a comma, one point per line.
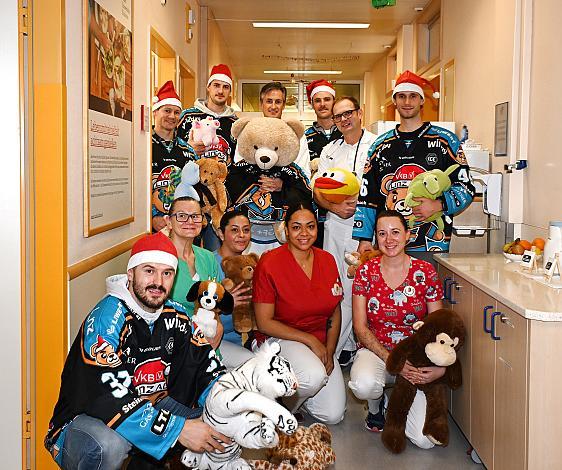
x=486, y=308
x=453, y=284
x=493, y=332
x=446, y=287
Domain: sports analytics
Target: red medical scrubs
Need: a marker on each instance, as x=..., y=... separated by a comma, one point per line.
x=302, y=303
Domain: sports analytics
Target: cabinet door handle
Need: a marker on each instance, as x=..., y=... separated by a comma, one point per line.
x=486, y=308
x=455, y=284
x=493, y=332
x=505, y=319
x=446, y=287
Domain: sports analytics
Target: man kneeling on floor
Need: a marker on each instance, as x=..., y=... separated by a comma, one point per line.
x=136, y=373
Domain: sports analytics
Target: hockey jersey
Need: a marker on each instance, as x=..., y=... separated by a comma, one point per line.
x=317, y=140
x=168, y=157
x=120, y=368
x=393, y=160
x=224, y=150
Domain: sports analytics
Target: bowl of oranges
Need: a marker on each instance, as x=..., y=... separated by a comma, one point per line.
x=513, y=251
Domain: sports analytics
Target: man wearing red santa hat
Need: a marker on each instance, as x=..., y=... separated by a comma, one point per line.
x=169, y=152
x=137, y=373
x=418, y=143
x=219, y=89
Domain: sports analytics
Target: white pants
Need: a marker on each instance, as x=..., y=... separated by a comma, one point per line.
x=368, y=376
x=234, y=355
x=323, y=396
x=338, y=242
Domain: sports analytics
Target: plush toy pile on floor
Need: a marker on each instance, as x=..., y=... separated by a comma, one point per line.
x=434, y=343
x=308, y=449
x=242, y=406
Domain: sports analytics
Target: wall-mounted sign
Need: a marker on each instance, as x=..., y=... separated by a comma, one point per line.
x=501, y=129
x=108, y=90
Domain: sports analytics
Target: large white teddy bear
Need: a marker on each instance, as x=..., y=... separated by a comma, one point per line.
x=242, y=406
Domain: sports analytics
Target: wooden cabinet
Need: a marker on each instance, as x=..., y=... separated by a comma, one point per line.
x=482, y=380
x=510, y=390
x=491, y=408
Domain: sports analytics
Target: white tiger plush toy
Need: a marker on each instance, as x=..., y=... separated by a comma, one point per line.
x=242, y=406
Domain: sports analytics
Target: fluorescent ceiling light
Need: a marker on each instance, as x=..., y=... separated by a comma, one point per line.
x=278, y=24
x=306, y=72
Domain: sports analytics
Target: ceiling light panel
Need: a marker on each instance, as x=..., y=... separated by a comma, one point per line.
x=305, y=72
x=277, y=24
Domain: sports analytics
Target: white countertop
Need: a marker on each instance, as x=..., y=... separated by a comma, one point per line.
x=504, y=282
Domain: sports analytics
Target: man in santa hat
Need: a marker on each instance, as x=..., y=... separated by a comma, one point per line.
x=137, y=373
x=169, y=152
x=321, y=95
x=219, y=89
x=421, y=144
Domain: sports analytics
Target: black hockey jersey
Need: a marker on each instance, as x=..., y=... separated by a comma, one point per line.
x=317, y=140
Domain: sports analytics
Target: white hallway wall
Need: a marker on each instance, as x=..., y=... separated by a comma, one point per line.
x=11, y=431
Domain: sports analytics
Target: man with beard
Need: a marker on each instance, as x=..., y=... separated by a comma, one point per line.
x=321, y=95
x=219, y=88
x=399, y=155
x=136, y=373
x=169, y=152
x=348, y=152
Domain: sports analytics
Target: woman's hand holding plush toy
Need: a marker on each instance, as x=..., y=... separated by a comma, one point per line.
x=240, y=294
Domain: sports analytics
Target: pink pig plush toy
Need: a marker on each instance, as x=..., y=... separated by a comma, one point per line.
x=205, y=131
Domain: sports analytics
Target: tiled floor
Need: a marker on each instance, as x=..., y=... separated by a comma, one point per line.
x=357, y=448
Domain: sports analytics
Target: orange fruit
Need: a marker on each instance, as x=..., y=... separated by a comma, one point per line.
x=525, y=244
x=539, y=243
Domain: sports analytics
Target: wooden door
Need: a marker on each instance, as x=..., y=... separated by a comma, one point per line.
x=482, y=386
x=511, y=390
x=461, y=293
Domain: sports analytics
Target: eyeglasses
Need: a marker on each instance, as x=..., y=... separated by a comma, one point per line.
x=346, y=114
x=184, y=217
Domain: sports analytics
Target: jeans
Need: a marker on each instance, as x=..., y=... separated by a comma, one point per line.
x=90, y=444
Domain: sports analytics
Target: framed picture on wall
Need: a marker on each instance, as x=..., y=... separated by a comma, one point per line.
x=501, y=129
x=108, y=126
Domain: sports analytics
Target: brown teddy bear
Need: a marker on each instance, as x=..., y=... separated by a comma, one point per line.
x=239, y=269
x=435, y=343
x=307, y=449
x=211, y=189
x=355, y=260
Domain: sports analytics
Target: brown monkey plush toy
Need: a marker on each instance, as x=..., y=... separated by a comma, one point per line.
x=435, y=343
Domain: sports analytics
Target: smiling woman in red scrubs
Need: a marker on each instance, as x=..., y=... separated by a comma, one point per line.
x=297, y=294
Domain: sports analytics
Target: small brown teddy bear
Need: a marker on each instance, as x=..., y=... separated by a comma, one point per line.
x=355, y=260
x=211, y=189
x=239, y=269
x=435, y=343
x=307, y=449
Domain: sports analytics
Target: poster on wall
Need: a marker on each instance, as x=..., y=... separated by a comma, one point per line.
x=108, y=56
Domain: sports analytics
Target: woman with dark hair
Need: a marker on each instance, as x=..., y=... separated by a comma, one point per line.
x=185, y=221
x=297, y=294
x=234, y=234
x=390, y=293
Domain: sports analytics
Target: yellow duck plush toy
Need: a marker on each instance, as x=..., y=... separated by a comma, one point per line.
x=337, y=184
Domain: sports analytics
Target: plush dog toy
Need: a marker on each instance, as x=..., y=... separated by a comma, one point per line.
x=337, y=184
x=211, y=189
x=431, y=185
x=308, y=449
x=435, y=343
x=239, y=269
x=242, y=406
x=205, y=130
x=209, y=298
x=355, y=259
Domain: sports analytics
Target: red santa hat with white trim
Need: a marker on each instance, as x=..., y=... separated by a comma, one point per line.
x=166, y=95
x=319, y=85
x=220, y=72
x=157, y=248
x=409, y=81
